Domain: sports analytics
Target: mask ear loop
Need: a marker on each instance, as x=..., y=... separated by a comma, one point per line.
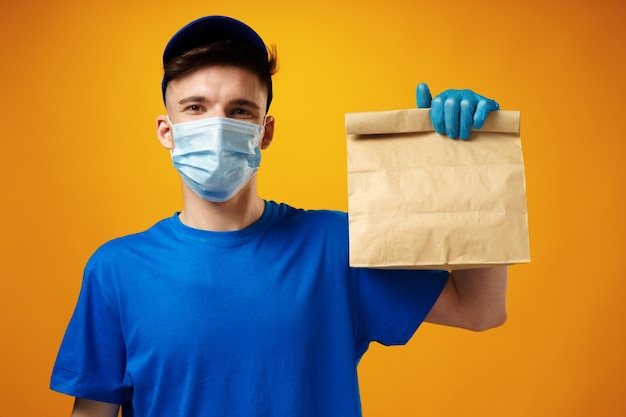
x=172, y=133
x=264, y=124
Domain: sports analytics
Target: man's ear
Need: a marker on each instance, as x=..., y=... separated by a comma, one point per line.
x=268, y=135
x=164, y=132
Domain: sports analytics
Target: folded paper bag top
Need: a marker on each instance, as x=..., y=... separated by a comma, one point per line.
x=417, y=200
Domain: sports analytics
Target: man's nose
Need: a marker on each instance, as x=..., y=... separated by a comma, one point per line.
x=218, y=111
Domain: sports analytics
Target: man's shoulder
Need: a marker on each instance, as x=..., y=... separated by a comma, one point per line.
x=308, y=217
x=133, y=242
x=286, y=210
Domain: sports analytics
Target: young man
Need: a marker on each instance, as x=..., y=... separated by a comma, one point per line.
x=239, y=306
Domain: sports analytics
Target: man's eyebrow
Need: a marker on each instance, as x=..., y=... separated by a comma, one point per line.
x=245, y=102
x=192, y=99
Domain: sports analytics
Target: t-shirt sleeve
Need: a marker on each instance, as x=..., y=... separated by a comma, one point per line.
x=91, y=360
x=393, y=303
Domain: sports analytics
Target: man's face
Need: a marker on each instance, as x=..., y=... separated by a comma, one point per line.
x=212, y=91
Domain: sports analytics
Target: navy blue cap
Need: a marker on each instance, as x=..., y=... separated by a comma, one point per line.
x=210, y=29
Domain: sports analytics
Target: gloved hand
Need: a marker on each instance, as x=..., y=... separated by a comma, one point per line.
x=454, y=112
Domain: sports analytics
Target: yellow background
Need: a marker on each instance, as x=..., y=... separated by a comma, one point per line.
x=80, y=164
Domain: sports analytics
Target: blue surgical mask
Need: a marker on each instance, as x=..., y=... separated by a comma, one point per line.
x=217, y=156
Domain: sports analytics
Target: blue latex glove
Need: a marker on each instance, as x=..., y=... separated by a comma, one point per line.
x=454, y=112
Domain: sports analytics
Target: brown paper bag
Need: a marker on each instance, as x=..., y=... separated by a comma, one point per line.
x=419, y=200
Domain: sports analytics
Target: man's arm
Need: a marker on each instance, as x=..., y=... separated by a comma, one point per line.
x=89, y=408
x=473, y=299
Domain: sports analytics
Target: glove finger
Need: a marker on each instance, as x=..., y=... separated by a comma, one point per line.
x=423, y=95
x=436, y=115
x=467, y=109
x=451, y=115
x=484, y=107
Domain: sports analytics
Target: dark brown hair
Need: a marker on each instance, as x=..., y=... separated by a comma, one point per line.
x=225, y=53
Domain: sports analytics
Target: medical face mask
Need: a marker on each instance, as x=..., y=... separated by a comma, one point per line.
x=217, y=156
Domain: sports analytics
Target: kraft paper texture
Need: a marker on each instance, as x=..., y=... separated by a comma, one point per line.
x=420, y=200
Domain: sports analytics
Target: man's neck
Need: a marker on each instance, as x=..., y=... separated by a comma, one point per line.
x=235, y=214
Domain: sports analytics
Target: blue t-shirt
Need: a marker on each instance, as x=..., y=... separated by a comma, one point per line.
x=265, y=321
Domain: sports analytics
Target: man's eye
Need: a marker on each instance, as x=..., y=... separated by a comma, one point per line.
x=193, y=108
x=238, y=112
